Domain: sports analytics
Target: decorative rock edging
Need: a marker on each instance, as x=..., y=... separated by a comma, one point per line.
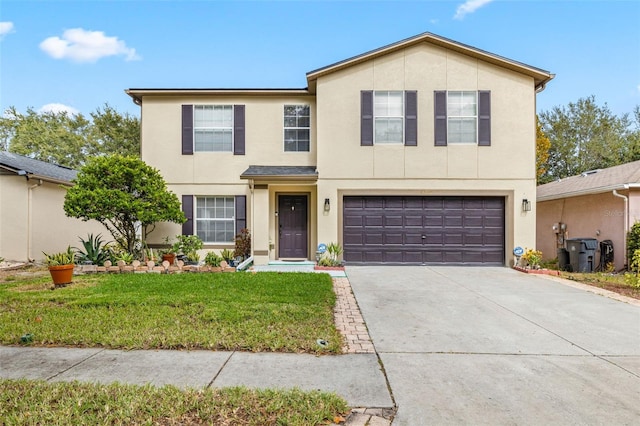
x=150, y=268
x=537, y=271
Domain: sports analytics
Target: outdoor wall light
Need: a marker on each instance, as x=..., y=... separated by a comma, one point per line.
x=526, y=205
x=327, y=205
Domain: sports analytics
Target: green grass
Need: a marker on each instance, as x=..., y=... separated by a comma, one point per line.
x=284, y=312
x=26, y=402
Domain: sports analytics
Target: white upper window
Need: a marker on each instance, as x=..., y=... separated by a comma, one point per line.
x=389, y=117
x=213, y=128
x=297, y=126
x=462, y=117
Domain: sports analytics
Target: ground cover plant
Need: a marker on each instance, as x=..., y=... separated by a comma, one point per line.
x=233, y=311
x=39, y=402
x=612, y=282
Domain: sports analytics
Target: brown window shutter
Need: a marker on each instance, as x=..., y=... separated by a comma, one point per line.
x=187, y=129
x=366, y=118
x=440, y=124
x=241, y=212
x=238, y=130
x=411, y=118
x=187, y=209
x=484, y=118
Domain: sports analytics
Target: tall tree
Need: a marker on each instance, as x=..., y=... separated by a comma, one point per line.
x=584, y=136
x=125, y=195
x=542, y=150
x=69, y=139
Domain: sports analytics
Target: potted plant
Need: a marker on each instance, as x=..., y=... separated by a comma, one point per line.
x=168, y=252
x=61, y=266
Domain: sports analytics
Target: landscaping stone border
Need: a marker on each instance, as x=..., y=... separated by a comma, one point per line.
x=150, y=268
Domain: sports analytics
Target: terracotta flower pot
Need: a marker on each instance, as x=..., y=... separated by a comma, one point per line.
x=61, y=274
x=169, y=257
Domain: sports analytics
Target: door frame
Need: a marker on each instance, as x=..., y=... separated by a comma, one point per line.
x=307, y=196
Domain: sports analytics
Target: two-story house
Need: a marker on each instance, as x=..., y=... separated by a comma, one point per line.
x=420, y=152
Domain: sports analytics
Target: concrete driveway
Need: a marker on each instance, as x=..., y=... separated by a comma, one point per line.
x=493, y=346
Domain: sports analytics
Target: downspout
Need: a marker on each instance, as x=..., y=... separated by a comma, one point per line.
x=29, y=218
x=251, y=188
x=626, y=221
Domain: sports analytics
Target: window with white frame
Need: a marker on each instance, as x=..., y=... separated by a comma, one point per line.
x=213, y=128
x=215, y=219
x=297, y=126
x=462, y=117
x=389, y=117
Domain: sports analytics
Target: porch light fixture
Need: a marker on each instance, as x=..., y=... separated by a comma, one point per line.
x=526, y=205
x=327, y=205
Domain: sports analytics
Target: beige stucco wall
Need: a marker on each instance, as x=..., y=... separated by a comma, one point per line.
x=264, y=139
x=599, y=216
x=506, y=168
x=48, y=229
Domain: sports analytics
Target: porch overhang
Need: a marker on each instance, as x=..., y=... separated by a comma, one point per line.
x=281, y=173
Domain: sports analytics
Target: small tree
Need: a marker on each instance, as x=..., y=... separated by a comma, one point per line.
x=125, y=195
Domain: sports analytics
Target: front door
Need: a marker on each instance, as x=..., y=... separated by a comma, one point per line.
x=292, y=226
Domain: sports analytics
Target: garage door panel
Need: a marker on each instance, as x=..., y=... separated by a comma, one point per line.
x=436, y=230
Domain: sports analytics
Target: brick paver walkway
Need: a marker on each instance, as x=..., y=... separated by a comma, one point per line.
x=349, y=320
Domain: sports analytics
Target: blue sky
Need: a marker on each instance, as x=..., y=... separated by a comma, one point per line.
x=80, y=55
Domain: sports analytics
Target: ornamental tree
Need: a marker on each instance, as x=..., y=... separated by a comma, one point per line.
x=125, y=195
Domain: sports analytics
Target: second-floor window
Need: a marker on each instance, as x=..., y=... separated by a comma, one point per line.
x=389, y=117
x=462, y=117
x=213, y=128
x=297, y=126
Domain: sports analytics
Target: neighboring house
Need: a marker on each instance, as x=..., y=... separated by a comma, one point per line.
x=601, y=204
x=32, y=218
x=420, y=152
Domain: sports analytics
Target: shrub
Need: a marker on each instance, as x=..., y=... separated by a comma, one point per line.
x=633, y=244
x=532, y=257
x=633, y=278
x=243, y=244
x=330, y=257
x=187, y=244
x=212, y=259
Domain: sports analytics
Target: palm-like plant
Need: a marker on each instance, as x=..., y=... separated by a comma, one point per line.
x=95, y=250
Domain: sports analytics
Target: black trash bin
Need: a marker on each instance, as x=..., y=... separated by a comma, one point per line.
x=582, y=253
x=563, y=259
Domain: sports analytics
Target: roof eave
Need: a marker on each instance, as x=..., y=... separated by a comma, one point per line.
x=138, y=93
x=540, y=76
x=590, y=191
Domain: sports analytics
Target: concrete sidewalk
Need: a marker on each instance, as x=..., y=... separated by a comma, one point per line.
x=357, y=378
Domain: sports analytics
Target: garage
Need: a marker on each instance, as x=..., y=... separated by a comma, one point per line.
x=424, y=230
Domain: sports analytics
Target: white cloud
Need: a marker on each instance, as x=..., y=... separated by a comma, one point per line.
x=6, y=27
x=469, y=6
x=80, y=45
x=57, y=108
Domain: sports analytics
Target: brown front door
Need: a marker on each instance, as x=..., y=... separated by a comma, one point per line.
x=292, y=226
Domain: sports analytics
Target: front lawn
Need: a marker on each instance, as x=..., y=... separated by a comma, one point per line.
x=37, y=402
x=224, y=311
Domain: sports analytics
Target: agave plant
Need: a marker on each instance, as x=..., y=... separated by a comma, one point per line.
x=62, y=258
x=95, y=250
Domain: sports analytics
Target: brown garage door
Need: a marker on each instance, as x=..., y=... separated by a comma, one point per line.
x=424, y=230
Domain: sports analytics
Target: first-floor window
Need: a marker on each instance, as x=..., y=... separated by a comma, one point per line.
x=215, y=219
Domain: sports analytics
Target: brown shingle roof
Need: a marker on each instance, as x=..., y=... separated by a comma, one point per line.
x=593, y=182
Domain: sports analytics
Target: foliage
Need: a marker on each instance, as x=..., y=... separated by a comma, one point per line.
x=37, y=402
x=633, y=241
x=227, y=255
x=532, y=257
x=585, y=136
x=243, y=244
x=62, y=258
x=95, y=250
x=633, y=278
x=123, y=194
x=125, y=256
x=212, y=259
x=193, y=257
x=186, y=244
x=331, y=256
x=1, y=259
x=268, y=311
x=542, y=150
x=69, y=139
